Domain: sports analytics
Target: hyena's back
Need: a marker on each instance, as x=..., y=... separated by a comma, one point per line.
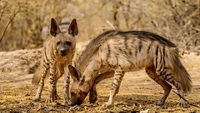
x=134, y=50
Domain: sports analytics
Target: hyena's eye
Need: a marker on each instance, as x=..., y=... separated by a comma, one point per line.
x=58, y=43
x=68, y=43
x=83, y=93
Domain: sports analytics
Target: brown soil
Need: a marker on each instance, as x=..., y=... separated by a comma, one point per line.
x=138, y=92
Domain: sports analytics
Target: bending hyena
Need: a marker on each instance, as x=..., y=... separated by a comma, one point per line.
x=115, y=52
x=58, y=51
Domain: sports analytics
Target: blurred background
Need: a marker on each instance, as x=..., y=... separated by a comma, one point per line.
x=24, y=23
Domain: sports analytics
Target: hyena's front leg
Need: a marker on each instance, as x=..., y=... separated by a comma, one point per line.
x=52, y=82
x=66, y=88
x=93, y=92
x=43, y=69
x=57, y=97
x=118, y=76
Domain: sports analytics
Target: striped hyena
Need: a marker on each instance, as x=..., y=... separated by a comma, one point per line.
x=58, y=51
x=115, y=52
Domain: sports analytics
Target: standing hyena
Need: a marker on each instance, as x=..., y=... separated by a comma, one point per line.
x=115, y=52
x=58, y=51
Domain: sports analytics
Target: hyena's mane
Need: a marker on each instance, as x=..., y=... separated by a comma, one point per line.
x=148, y=36
x=94, y=44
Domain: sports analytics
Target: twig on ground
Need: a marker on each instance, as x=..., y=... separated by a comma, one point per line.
x=186, y=100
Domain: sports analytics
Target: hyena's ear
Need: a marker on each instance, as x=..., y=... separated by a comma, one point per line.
x=73, y=28
x=54, y=27
x=74, y=73
x=82, y=80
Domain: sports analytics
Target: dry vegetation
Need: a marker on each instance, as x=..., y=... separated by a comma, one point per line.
x=24, y=25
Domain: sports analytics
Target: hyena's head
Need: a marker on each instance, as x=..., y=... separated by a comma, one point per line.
x=79, y=88
x=64, y=42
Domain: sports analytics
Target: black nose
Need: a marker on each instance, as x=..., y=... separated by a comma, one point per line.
x=76, y=102
x=63, y=51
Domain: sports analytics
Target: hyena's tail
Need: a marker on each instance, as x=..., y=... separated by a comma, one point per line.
x=37, y=76
x=179, y=70
x=176, y=73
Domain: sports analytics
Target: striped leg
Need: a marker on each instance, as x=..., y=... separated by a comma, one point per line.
x=166, y=75
x=44, y=68
x=118, y=76
x=66, y=88
x=57, y=97
x=52, y=83
x=93, y=92
x=167, y=87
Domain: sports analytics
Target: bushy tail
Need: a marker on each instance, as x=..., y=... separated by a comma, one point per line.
x=180, y=73
x=37, y=76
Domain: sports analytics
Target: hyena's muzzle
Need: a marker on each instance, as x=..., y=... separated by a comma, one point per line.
x=63, y=47
x=77, y=99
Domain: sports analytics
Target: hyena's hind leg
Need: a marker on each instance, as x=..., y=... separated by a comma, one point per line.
x=166, y=72
x=93, y=92
x=167, y=75
x=43, y=71
x=166, y=87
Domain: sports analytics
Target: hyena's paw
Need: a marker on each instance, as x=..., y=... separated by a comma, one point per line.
x=183, y=103
x=159, y=103
x=108, y=105
x=36, y=99
x=51, y=98
x=57, y=97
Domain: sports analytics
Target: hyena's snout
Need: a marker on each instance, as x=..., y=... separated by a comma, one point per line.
x=63, y=48
x=77, y=99
x=64, y=51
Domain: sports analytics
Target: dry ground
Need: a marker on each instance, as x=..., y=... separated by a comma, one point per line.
x=138, y=92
